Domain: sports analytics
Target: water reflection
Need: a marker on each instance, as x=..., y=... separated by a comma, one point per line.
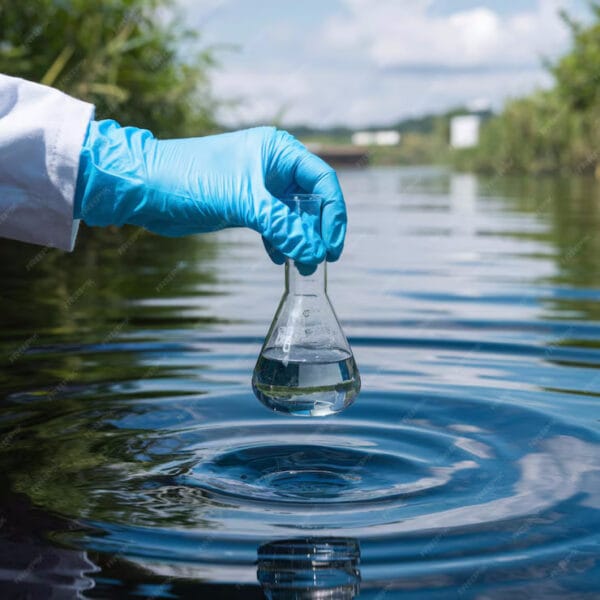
x=117, y=281
x=472, y=458
x=30, y=567
x=311, y=568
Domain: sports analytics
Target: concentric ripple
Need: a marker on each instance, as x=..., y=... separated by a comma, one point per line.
x=326, y=471
x=426, y=478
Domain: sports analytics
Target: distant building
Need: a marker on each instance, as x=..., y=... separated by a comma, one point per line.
x=464, y=131
x=386, y=137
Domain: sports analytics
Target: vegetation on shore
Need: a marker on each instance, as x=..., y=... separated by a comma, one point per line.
x=124, y=56
x=551, y=131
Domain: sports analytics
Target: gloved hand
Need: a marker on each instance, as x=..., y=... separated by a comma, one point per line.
x=179, y=187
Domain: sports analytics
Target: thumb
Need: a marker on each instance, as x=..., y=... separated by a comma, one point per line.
x=288, y=233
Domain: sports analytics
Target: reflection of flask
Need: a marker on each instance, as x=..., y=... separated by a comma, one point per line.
x=306, y=366
x=309, y=568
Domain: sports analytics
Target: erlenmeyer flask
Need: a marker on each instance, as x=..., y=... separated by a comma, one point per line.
x=306, y=366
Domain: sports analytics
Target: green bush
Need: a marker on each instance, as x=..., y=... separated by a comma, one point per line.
x=125, y=56
x=557, y=130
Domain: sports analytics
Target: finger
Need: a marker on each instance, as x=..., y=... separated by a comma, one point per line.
x=279, y=259
x=318, y=177
x=289, y=233
x=315, y=176
x=274, y=254
x=305, y=269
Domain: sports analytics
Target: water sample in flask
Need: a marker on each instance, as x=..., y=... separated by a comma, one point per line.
x=306, y=366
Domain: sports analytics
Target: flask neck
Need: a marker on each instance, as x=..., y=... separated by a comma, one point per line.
x=314, y=284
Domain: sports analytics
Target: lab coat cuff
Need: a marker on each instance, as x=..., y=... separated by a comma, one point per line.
x=63, y=165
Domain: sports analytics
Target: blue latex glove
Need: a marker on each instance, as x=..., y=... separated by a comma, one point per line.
x=194, y=185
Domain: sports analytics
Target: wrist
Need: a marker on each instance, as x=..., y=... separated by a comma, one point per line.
x=111, y=174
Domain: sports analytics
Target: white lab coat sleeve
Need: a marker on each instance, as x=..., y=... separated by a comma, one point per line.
x=41, y=134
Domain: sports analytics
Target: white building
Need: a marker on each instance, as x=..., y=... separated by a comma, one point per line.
x=386, y=137
x=464, y=131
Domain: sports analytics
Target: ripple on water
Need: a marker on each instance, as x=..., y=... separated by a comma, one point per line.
x=324, y=472
x=429, y=483
x=453, y=492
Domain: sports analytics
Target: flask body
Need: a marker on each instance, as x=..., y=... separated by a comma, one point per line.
x=306, y=366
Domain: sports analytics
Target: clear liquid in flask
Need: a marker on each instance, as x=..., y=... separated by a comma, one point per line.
x=313, y=383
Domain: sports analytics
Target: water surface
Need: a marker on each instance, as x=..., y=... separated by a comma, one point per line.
x=136, y=460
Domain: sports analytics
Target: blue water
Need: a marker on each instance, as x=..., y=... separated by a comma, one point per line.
x=136, y=461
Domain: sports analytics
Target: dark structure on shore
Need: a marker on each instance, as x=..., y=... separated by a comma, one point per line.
x=342, y=155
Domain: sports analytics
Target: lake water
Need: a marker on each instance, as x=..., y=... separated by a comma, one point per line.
x=136, y=461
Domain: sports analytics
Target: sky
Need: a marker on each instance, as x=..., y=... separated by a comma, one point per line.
x=363, y=62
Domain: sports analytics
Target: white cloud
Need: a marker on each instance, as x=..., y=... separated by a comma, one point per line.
x=330, y=96
x=403, y=34
x=360, y=62
x=261, y=95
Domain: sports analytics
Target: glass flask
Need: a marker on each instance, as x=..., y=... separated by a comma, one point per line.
x=306, y=366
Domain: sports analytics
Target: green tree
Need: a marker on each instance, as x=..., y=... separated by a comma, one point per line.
x=578, y=73
x=125, y=56
x=555, y=130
